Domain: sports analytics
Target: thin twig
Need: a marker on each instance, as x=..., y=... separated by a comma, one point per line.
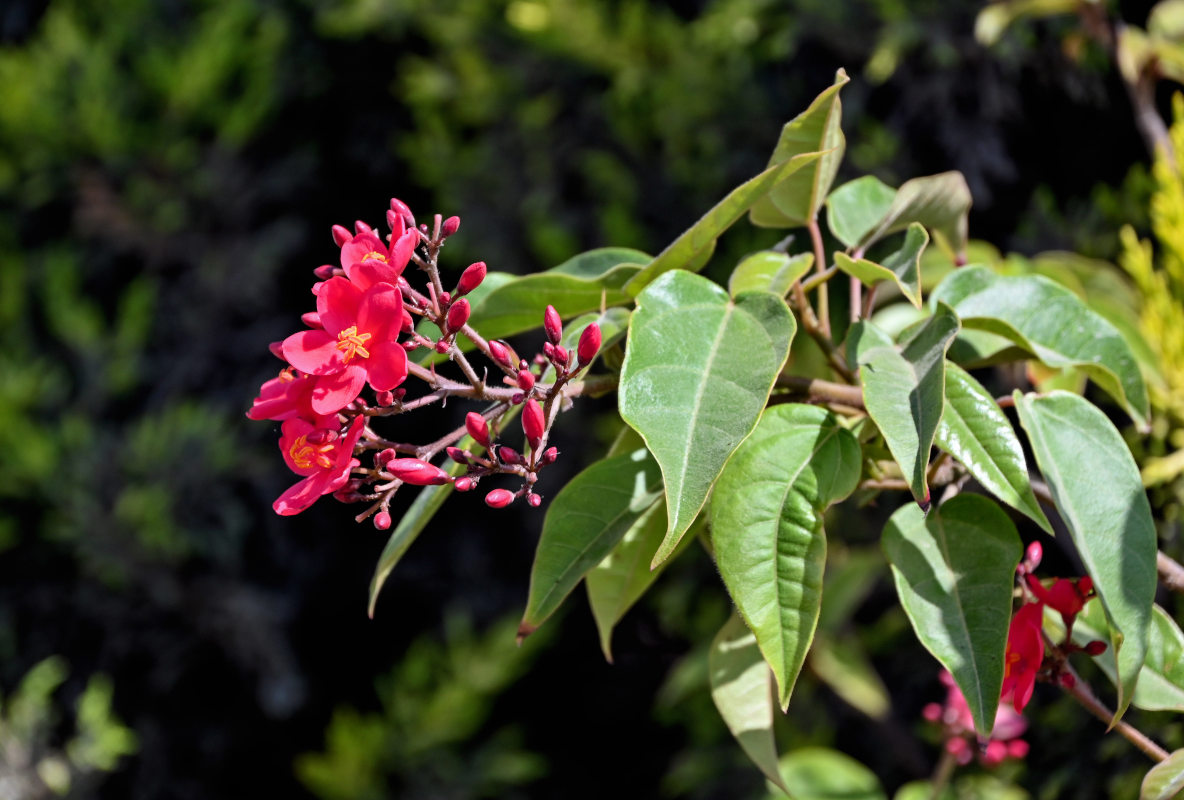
x=825, y=391
x=820, y=267
x=1081, y=692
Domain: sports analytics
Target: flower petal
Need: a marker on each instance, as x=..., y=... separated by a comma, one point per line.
x=335, y=392
x=300, y=496
x=314, y=352
x=387, y=366
x=337, y=304
x=356, y=249
x=381, y=313
x=401, y=250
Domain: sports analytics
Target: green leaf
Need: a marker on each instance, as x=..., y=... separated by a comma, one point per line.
x=1097, y=489
x=698, y=370
x=694, y=246
x=939, y=202
x=856, y=207
x=766, y=527
x=818, y=773
x=742, y=690
x=769, y=271
x=976, y=432
x=996, y=17
x=796, y=201
x=902, y=267
x=1051, y=323
x=1165, y=780
x=954, y=570
x=613, y=322
x=1167, y=19
x=842, y=664
x=586, y=520
x=904, y=392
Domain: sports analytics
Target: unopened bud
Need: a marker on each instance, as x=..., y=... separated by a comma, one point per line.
x=1017, y=748
x=464, y=484
x=549, y=350
x=478, y=428
x=1067, y=680
x=361, y=227
x=517, y=398
x=341, y=235
x=400, y=208
x=382, y=520
x=525, y=380
x=931, y=712
x=409, y=344
x=450, y=226
x=589, y=344
x=1095, y=648
x=533, y=423
x=552, y=325
x=385, y=457
x=384, y=399
x=550, y=454
x=324, y=271
x=408, y=324
x=443, y=346
x=994, y=753
x=423, y=228
x=471, y=278
x=561, y=356
x=445, y=299
x=1033, y=555
x=500, y=353
x=457, y=455
x=417, y=472
x=508, y=455
x=400, y=393
x=499, y=498
x=534, y=500
x=312, y=319
x=458, y=315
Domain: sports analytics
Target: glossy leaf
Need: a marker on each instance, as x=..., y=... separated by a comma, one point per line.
x=769, y=271
x=902, y=267
x=1051, y=323
x=818, y=773
x=904, y=392
x=1097, y=490
x=766, y=527
x=742, y=690
x=586, y=520
x=954, y=570
x=939, y=202
x=975, y=431
x=796, y=200
x=856, y=207
x=692, y=249
x=1165, y=780
x=698, y=370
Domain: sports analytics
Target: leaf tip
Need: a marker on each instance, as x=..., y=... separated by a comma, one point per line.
x=925, y=502
x=524, y=629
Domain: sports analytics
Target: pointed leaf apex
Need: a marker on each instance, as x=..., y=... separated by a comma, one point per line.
x=524, y=629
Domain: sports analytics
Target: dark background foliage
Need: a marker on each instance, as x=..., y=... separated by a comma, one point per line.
x=169, y=171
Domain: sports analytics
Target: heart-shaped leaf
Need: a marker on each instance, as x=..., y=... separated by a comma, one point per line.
x=698, y=370
x=796, y=200
x=954, y=570
x=1097, y=489
x=766, y=527
x=975, y=431
x=742, y=690
x=856, y=207
x=902, y=267
x=586, y=520
x=769, y=271
x=1051, y=323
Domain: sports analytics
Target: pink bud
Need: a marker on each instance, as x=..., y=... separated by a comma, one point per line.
x=457, y=455
x=417, y=472
x=394, y=222
x=409, y=345
x=525, y=380
x=385, y=457
x=517, y=398
x=500, y=353
x=450, y=226
x=478, y=428
x=508, y=455
x=471, y=278
x=1017, y=748
x=361, y=227
x=534, y=500
x=499, y=498
x=341, y=235
x=445, y=299
x=533, y=423
x=552, y=324
x=1067, y=680
x=589, y=344
x=400, y=393
x=464, y=484
x=400, y=208
x=443, y=346
x=384, y=399
x=312, y=319
x=382, y=520
x=458, y=315
x=931, y=712
x=550, y=454
x=324, y=271
x=408, y=324
x=995, y=753
x=549, y=350
x=1095, y=648
x=561, y=356
x=1033, y=555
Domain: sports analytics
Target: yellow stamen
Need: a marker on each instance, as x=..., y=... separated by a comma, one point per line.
x=286, y=375
x=304, y=454
x=374, y=255
x=350, y=342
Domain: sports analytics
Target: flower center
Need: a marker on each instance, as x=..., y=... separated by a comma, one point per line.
x=352, y=343
x=1012, y=664
x=374, y=255
x=286, y=375
x=304, y=455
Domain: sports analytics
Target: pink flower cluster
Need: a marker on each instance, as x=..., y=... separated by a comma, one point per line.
x=960, y=739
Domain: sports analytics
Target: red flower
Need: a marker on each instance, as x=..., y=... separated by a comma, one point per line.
x=356, y=345
x=367, y=260
x=1025, y=653
x=289, y=396
x=1066, y=596
x=324, y=464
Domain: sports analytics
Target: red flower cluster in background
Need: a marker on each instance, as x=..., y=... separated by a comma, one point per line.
x=360, y=335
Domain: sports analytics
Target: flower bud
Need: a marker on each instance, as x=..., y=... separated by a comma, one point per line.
x=1033, y=555
x=341, y=235
x=1067, y=680
x=385, y=457
x=931, y=712
x=994, y=753
x=1095, y=648
x=408, y=324
x=549, y=350
x=553, y=325
x=534, y=500
x=400, y=208
x=361, y=227
x=445, y=299
x=517, y=398
x=499, y=498
x=471, y=278
x=324, y=271
x=409, y=345
x=550, y=454
x=382, y=520
x=589, y=344
x=1017, y=748
x=399, y=393
x=450, y=226
x=561, y=356
x=501, y=354
x=457, y=455
x=525, y=380
x=508, y=455
x=312, y=319
x=443, y=346
x=384, y=399
x=464, y=484
x=533, y=423
x=417, y=472
x=394, y=222
x=478, y=428
x=458, y=315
